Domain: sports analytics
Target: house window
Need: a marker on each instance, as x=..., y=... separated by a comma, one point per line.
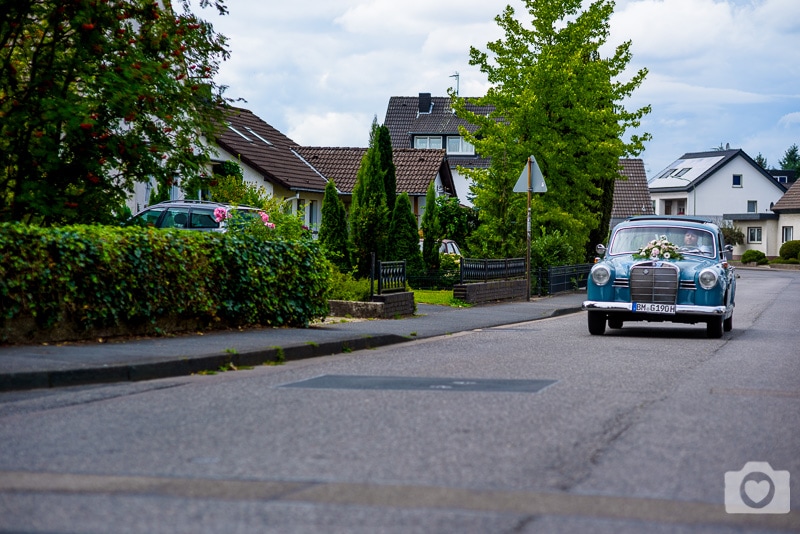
x=457, y=145
x=675, y=207
x=427, y=142
x=787, y=233
x=752, y=206
x=754, y=234
x=737, y=180
x=782, y=179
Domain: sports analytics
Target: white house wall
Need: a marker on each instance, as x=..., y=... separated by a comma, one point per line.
x=716, y=195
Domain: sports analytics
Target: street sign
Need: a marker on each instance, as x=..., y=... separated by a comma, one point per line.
x=536, y=178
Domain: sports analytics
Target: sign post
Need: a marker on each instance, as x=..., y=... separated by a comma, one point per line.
x=530, y=181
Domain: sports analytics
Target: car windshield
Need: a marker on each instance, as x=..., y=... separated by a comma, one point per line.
x=693, y=241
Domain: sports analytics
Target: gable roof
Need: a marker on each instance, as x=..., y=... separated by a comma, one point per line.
x=268, y=151
x=415, y=168
x=631, y=194
x=790, y=201
x=407, y=116
x=693, y=168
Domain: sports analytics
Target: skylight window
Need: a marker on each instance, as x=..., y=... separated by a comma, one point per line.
x=682, y=172
x=240, y=134
x=256, y=135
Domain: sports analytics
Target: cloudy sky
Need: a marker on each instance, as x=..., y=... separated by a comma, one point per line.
x=720, y=71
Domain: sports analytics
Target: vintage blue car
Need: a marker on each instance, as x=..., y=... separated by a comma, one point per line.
x=663, y=268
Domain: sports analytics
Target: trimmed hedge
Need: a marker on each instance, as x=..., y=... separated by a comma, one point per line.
x=790, y=250
x=85, y=279
x=754, y=256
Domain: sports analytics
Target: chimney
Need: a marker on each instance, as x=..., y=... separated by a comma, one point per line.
x=424, y=102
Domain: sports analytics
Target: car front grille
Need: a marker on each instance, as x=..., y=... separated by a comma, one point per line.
x=657, y=284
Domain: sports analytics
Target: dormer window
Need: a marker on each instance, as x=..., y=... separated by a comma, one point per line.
x=427, y=141
x=457, y=145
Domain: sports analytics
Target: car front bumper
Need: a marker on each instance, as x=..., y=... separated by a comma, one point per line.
x=680, y=309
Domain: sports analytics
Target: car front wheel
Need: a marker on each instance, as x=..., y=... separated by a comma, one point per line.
x=597, y=323
x=727, y=325
x=714, y=328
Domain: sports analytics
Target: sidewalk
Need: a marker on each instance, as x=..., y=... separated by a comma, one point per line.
x=42, y=366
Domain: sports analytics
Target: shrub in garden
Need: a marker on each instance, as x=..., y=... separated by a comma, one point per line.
x=754, y=256
x=790, y=249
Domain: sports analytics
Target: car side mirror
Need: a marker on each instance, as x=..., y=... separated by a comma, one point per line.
x=600, y=249
x=728, y=252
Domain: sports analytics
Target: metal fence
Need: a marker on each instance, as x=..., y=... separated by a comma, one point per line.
x=544, y=280
x=550, y=280
x=475, y=270
x=391, y=276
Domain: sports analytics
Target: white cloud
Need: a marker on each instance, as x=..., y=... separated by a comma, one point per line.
x=319, y=70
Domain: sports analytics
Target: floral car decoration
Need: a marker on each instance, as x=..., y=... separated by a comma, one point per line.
x=659, y=249
x=662, y=269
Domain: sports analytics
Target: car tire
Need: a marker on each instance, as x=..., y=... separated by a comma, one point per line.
x=727, y=324
x=597, y=323
x=614, y=323
x=714, y=328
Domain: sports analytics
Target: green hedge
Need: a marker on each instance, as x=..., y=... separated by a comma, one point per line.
x=96, y=277
x=790, y=250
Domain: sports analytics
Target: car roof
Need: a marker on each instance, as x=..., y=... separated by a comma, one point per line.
x=682, y=220
x=204, y=203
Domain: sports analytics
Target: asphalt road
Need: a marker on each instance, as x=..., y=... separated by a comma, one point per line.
x=531, y=427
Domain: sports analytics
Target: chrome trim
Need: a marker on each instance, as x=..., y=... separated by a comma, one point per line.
x=680, y=309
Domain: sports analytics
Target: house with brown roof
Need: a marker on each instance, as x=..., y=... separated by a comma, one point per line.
x=271, y=160
x=428, y=122
x=768, y=231
x=415, y=169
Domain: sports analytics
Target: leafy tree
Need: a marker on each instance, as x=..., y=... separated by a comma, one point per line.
x=97, y=95
x=384, y=142
x=457, y=221
x=431, y=231
x=405, y=236
x=762, y=161
x=333, y=230
x=555, y=97
x=369, y=216
x=791, y=159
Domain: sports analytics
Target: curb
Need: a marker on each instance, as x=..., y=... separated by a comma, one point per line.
x=135, y=372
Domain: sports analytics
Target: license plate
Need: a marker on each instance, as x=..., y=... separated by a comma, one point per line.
x=646, y=307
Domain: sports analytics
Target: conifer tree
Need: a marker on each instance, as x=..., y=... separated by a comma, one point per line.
x=387, y=164
x=431, y=231
x=405, y=236
x=369, y=216
x=333, y=229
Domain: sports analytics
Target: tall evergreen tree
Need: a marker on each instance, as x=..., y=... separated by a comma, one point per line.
x=333, y=229
x=405, y=236
x=431, y=231
x=369, y=216
x=791, y=159
x=557, y=99
x=387, y=164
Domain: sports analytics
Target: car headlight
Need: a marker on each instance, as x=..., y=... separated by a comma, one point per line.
x=707, y=278
x=600, y=275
